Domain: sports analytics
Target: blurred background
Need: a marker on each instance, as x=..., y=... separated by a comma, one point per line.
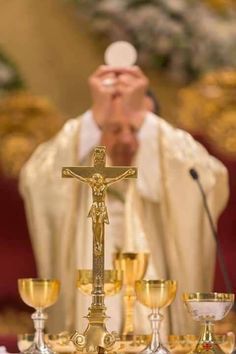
x=47, y=51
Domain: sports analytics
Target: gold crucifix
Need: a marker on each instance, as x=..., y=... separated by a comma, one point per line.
x=99, y=178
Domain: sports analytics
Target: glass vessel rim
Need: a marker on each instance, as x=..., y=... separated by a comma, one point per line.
x=160, y=282
x=105, y=270
x=211, y=296
x=132, y=255
x=43, y=280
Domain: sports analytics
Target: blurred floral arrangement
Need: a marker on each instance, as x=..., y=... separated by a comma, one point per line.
x=186, y=37
x=207, y=108
x=9, y=76
x=26, y=120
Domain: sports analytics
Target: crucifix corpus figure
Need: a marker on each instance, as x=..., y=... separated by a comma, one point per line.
x=99, y=178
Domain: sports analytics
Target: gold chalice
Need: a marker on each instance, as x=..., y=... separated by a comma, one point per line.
x=112, y=281
x=208, y=308
x=155, y=294
x=39, y=294
x=133, y=266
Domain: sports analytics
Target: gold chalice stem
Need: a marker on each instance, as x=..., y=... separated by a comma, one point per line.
x=207, y=333
x=207, y=339
x=155, y=319
x=39, y=318
x=129, y=301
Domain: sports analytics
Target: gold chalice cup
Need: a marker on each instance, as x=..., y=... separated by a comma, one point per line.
x=112, y=281
x=155, y=294
x=39, y=294
x=133, y=266
x=208, y=308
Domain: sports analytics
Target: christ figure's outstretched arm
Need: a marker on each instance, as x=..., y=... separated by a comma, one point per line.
x=127, y=173
x=80, y=178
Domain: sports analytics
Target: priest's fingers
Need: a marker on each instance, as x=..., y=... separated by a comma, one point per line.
x=131, y=80
x=103, y=82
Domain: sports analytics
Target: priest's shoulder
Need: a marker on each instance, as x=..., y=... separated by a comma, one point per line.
x=182, y=146
x=58, y=142
x=178, y=139
x=56, y=148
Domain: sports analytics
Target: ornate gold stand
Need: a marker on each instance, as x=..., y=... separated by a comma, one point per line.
x=96, y=338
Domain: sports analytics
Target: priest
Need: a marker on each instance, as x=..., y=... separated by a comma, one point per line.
x=161, y=212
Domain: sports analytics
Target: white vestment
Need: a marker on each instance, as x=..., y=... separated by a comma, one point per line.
x=163, y=214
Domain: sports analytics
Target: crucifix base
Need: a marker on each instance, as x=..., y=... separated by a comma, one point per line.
x=96, y=338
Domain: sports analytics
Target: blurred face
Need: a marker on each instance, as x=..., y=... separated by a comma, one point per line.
x=120, y=136
x=119, y=108
x=120, y=139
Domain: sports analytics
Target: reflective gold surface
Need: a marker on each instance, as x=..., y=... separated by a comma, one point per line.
x=112, y=281
x=156, y=293
x=133, y=266
x=177, y=344
x=39, y=293
x=59, y=343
